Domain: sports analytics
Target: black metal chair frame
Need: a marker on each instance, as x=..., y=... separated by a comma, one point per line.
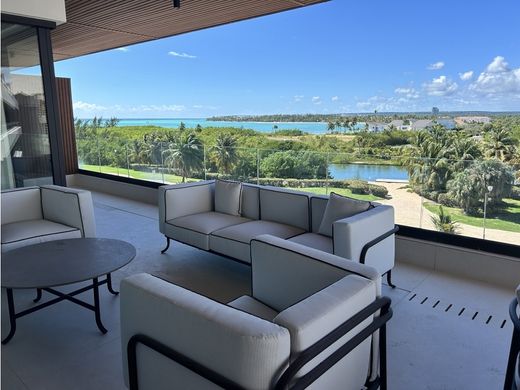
x=288, y=378
x=514, y=351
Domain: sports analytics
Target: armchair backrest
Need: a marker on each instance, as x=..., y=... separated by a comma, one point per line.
x=246, y=350
x=21, y=204
x=284, y=272
x=69, y=207
x=285, y=206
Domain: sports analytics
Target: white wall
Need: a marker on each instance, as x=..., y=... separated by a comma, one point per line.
x=52, y=10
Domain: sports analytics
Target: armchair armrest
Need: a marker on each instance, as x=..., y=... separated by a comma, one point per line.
x=178, y=200
x=276, y=261
x=201, y=336
x=351, y=234
x=70, y=207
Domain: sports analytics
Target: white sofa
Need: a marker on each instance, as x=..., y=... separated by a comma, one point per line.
x=187, y=214
x=312, y=319
x=32, y=215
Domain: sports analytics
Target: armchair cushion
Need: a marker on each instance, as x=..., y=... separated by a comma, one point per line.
x=18, y=234
x=319, y=314
x=228, y=196
x=252, y=306
x=339, y=207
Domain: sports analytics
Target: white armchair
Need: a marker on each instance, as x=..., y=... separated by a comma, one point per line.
x=311, y=321
x=32, y=215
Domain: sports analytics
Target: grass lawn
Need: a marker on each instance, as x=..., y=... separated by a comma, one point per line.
x=339, y=191
x=157, y=177
x=141, y=175
x=507, y=219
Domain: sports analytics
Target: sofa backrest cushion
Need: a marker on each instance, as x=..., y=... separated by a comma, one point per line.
x=242, y=348
x=318, y=206
x=186, y=199
x=284, y=206
x=250, y=201
x=339, y=207
x=21, y=204
x=310, y=320
x=228, y=197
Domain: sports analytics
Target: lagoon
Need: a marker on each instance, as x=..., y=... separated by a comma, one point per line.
x=264, y=127
x=367, y=172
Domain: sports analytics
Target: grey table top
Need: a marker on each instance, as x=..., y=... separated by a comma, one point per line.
x=61, y=262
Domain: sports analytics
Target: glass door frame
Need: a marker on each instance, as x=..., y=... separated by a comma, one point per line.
x=44, y=28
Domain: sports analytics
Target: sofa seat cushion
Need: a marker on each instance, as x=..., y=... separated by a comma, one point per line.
x=234, y=241
x=195, y=229
x=316, y=241
x=254, y=307
x=19, y=234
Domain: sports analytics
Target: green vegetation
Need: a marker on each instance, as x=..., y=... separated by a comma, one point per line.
x=507, y=219
x=339, y=191
x=443, y=222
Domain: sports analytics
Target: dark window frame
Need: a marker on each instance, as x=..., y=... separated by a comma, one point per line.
x=43, y=31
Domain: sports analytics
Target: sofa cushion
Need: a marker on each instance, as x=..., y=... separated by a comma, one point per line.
x=228, y=196
x=284, y=206
x=21, y=204
x=252, y=306
x=234, y=241
x=195, y=229
x=339, y=207
x=19, y=234
x=250, y=204
x=249, y=230
x=316, y=241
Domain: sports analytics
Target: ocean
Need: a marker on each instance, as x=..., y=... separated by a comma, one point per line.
x=266, y=127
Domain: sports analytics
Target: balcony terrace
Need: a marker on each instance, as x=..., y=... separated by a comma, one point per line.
x=447, y=332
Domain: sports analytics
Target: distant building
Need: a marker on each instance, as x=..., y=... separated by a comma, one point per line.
x=376, y=126
x=422, y=124
x=399, y=125
x=462, y=120
x=435, y=111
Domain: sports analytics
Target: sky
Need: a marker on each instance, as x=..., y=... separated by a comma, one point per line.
x=336, y=57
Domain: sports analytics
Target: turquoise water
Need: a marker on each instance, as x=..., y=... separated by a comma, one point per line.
x=367, y=172
x=265, y=127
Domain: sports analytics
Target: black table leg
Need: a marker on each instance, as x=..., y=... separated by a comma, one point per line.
x=109, y=284
x=38, y=295
x=96, y=306
x=12, y=316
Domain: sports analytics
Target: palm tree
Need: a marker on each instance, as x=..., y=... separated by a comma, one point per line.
x=331, y=126
x=499, y=143
x=463, y=150
x=444, y=223
x=137, y=152
x=226, y=152
x=185, y=152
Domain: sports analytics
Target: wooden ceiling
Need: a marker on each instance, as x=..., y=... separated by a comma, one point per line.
x=96, y=25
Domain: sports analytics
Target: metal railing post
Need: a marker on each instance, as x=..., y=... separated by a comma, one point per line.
x=257, y=166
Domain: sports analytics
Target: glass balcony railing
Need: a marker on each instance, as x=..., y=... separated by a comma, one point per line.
x=474, y=198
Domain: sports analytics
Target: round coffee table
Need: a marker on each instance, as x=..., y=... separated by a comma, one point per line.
x=61, y=262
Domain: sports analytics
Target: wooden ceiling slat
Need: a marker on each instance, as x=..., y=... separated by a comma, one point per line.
x=97, y=25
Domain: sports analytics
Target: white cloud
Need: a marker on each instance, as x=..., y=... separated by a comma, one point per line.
x=466, y=75
x=84, y=106
x=124, y=49
x=498, y=78
x=440, y=86
x=436, y=65
x=298, y=98
x=181, y=55
x=316, y=100
x=410, y=93
x=335, y=98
